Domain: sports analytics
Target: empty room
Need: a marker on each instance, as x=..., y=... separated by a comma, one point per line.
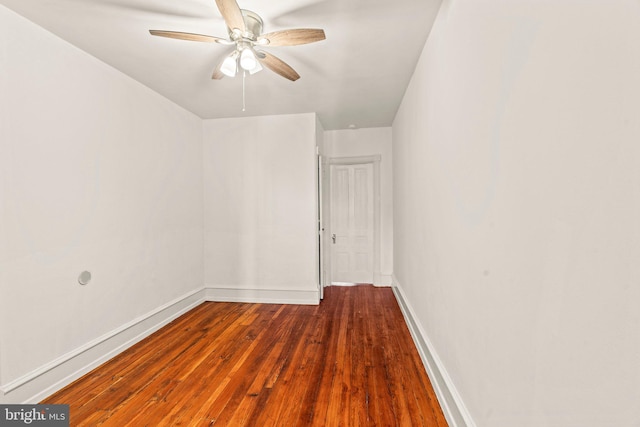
x=320, y=212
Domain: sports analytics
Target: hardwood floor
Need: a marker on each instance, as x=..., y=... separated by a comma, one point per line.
x=348, y=362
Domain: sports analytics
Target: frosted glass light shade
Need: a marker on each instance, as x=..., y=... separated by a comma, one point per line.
x=230, y=65
x=249, y=62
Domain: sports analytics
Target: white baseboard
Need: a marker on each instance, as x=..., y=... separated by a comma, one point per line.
x=264, y=296
x=47, y=379
x=452, y=405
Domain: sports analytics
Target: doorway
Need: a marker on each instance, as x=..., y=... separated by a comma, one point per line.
x=351, y=208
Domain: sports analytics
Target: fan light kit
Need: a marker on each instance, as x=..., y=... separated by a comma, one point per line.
x=245, y=32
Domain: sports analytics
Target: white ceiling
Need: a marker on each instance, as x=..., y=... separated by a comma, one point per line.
x=357, y=76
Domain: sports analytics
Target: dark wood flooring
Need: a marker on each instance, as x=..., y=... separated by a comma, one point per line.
x=348, y=362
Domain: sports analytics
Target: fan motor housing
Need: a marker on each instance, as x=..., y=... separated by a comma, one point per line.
x=253, y=25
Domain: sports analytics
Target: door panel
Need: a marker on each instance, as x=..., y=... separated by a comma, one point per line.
x=352, y=223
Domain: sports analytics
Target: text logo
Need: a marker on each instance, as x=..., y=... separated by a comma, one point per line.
x=34, y=415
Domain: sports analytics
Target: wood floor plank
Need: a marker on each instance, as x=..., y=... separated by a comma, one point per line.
x=348, y=362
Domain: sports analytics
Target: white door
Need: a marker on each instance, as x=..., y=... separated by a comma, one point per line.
x=352, y=225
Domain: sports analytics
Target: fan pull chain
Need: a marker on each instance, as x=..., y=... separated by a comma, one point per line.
x=244, y=74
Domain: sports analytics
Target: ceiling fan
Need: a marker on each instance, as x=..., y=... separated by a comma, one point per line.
x=245, y=32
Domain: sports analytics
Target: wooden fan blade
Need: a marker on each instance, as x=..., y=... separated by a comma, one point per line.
x=231, y=13
x=189, y=36
x=292, y=37
x=278, y=66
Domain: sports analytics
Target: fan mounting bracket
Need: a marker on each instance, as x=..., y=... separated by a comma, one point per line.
x=253, y=28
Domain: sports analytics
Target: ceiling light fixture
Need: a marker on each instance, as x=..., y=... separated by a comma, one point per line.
x=257, y=68
x=230, y=64
x=248, y=61
x=245, y=31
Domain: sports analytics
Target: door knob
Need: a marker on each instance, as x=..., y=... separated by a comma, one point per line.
x=333, y=237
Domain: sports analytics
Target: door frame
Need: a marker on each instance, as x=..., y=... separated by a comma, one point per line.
x=326, y=256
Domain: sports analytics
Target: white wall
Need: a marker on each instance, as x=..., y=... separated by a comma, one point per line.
x=371, y=142
x=97, y=173
x=260, y=208
x=517, y=208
